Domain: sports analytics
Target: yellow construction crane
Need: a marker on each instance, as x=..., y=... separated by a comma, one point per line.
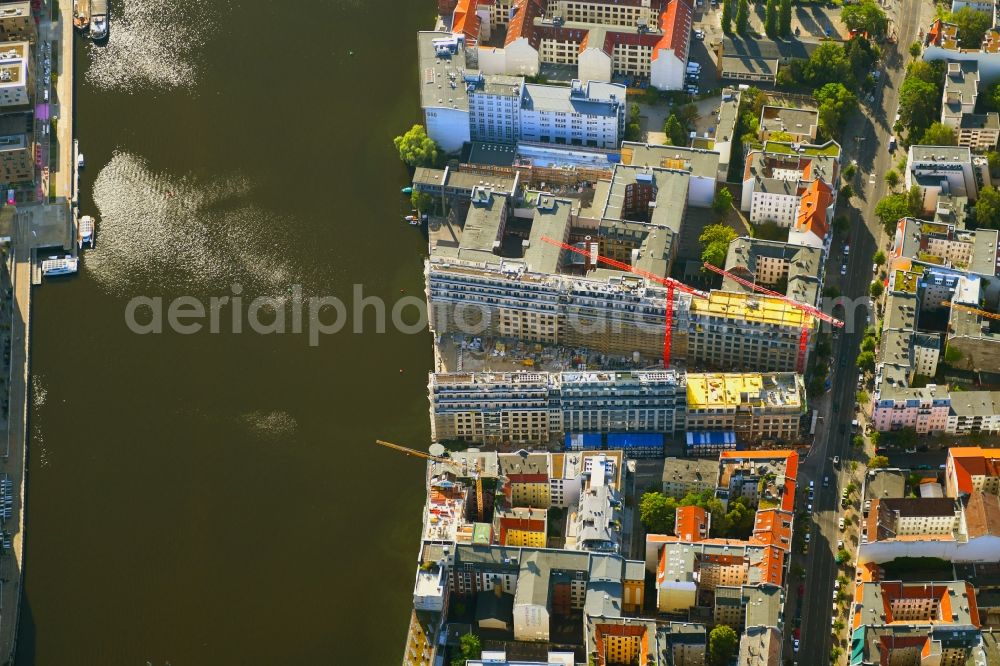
x=480, y=508
x=971, y=310
x=414, y=452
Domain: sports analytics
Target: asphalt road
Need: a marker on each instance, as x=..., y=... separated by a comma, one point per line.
x=866, y=140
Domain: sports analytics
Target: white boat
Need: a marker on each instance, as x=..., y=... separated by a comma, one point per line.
x=98, y=19
x=79, y=160
x=66, y=265
x=85, y=234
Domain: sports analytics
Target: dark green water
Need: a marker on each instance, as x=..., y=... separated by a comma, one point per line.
x=217, y=499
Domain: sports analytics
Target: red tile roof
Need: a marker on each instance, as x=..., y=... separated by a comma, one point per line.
x=675, y=23
x=522, y=21
x=691, y=520
x=812, y=209
x=970, y=461
x=465, y=21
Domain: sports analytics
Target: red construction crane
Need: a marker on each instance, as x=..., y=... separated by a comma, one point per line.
x=669, y=283
x=815, y=312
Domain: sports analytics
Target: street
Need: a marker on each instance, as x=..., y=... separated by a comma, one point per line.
x=871, y=127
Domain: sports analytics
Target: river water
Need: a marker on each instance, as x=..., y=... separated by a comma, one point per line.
x=217, y=498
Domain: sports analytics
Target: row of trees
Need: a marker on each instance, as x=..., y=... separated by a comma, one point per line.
x=658, y=513
x=742, y=11
x=778, y=18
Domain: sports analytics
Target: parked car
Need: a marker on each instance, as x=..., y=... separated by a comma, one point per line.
x=840, y=523
x=699, y=34
x=826, y=482
x=836, y=460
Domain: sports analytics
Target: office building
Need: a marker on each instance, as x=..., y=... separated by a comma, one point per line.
x=17, y=23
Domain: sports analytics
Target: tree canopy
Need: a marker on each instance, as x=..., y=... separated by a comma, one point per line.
x=742, y=16
x=727, y=16
x=715, y=240
x=939, y=134
x=771, y=18
x=865, y=17
x=988, y=208
x=785, y=18
x=829, y=64
x=676, y=134
x=416, y=148
x=972, y=26
x=878, y=461
x=658, y=513
x=722, y=645
x=835, y=103
x=723, y=200
x=469, y=647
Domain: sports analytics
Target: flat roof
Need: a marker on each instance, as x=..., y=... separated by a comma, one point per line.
x=437, y=74
x=552, y=219
x=733, y=65
x=791, y=120
x=751, y=307
x=731, y=390
x=599, y=99
x=701, y=163
x=957, y=154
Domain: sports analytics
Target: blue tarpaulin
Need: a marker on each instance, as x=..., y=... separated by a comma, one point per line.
x=587, y=441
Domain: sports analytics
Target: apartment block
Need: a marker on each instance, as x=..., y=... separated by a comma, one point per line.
x=16, y=22
x=600, y=38
x=754, y=406
x=17, y=150
x=972, y=469
x=538, y=407
x=978, y=131
x=16, y=76
x=795, y=269
x=461, y=103
x=942, y=170
x=689, y=475
x=776, y=177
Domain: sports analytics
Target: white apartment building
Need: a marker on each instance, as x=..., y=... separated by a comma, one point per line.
x=494, y=108
x=538, y=407
x=941, y=170
x=585, y=114
x=775, y=200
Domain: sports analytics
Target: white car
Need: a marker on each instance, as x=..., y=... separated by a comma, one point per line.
x=843, y=269
x=840, y=544
x=847, y=250
x=840, y=523
x=808, y=536
x=836, y=460
x=871, y=179
x=699, y=34
x=795, y=645
x=836, y=584
x=812, y=484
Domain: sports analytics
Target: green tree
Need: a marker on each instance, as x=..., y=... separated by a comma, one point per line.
x=829, y=64
x=723, y=201
x=847, y=191
x=972, y=26
x=722, y=645
x=415, y=148
x=892, y=178
x=843, y=557
x=915, y=49
x=878, y=461
x=715, y=240
x=866, y=361
x=858, y=441
x=915, y=201
x=865, y=17
x=878, y=258
x=727, y=16
x=993, y=159
x=891, y=209
x=676, y=134
x=421, y=201
x=919, y=103
x=849, y=171
x=633, y=128
x=868, y=344
x=785, y=18
x=469, y=647
x=835, y=103
x=831, y=291
x=742, y=16
x=987, y=208
x=771, y=18
x=939, y=135
x=657, y=512
x=876, y=289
